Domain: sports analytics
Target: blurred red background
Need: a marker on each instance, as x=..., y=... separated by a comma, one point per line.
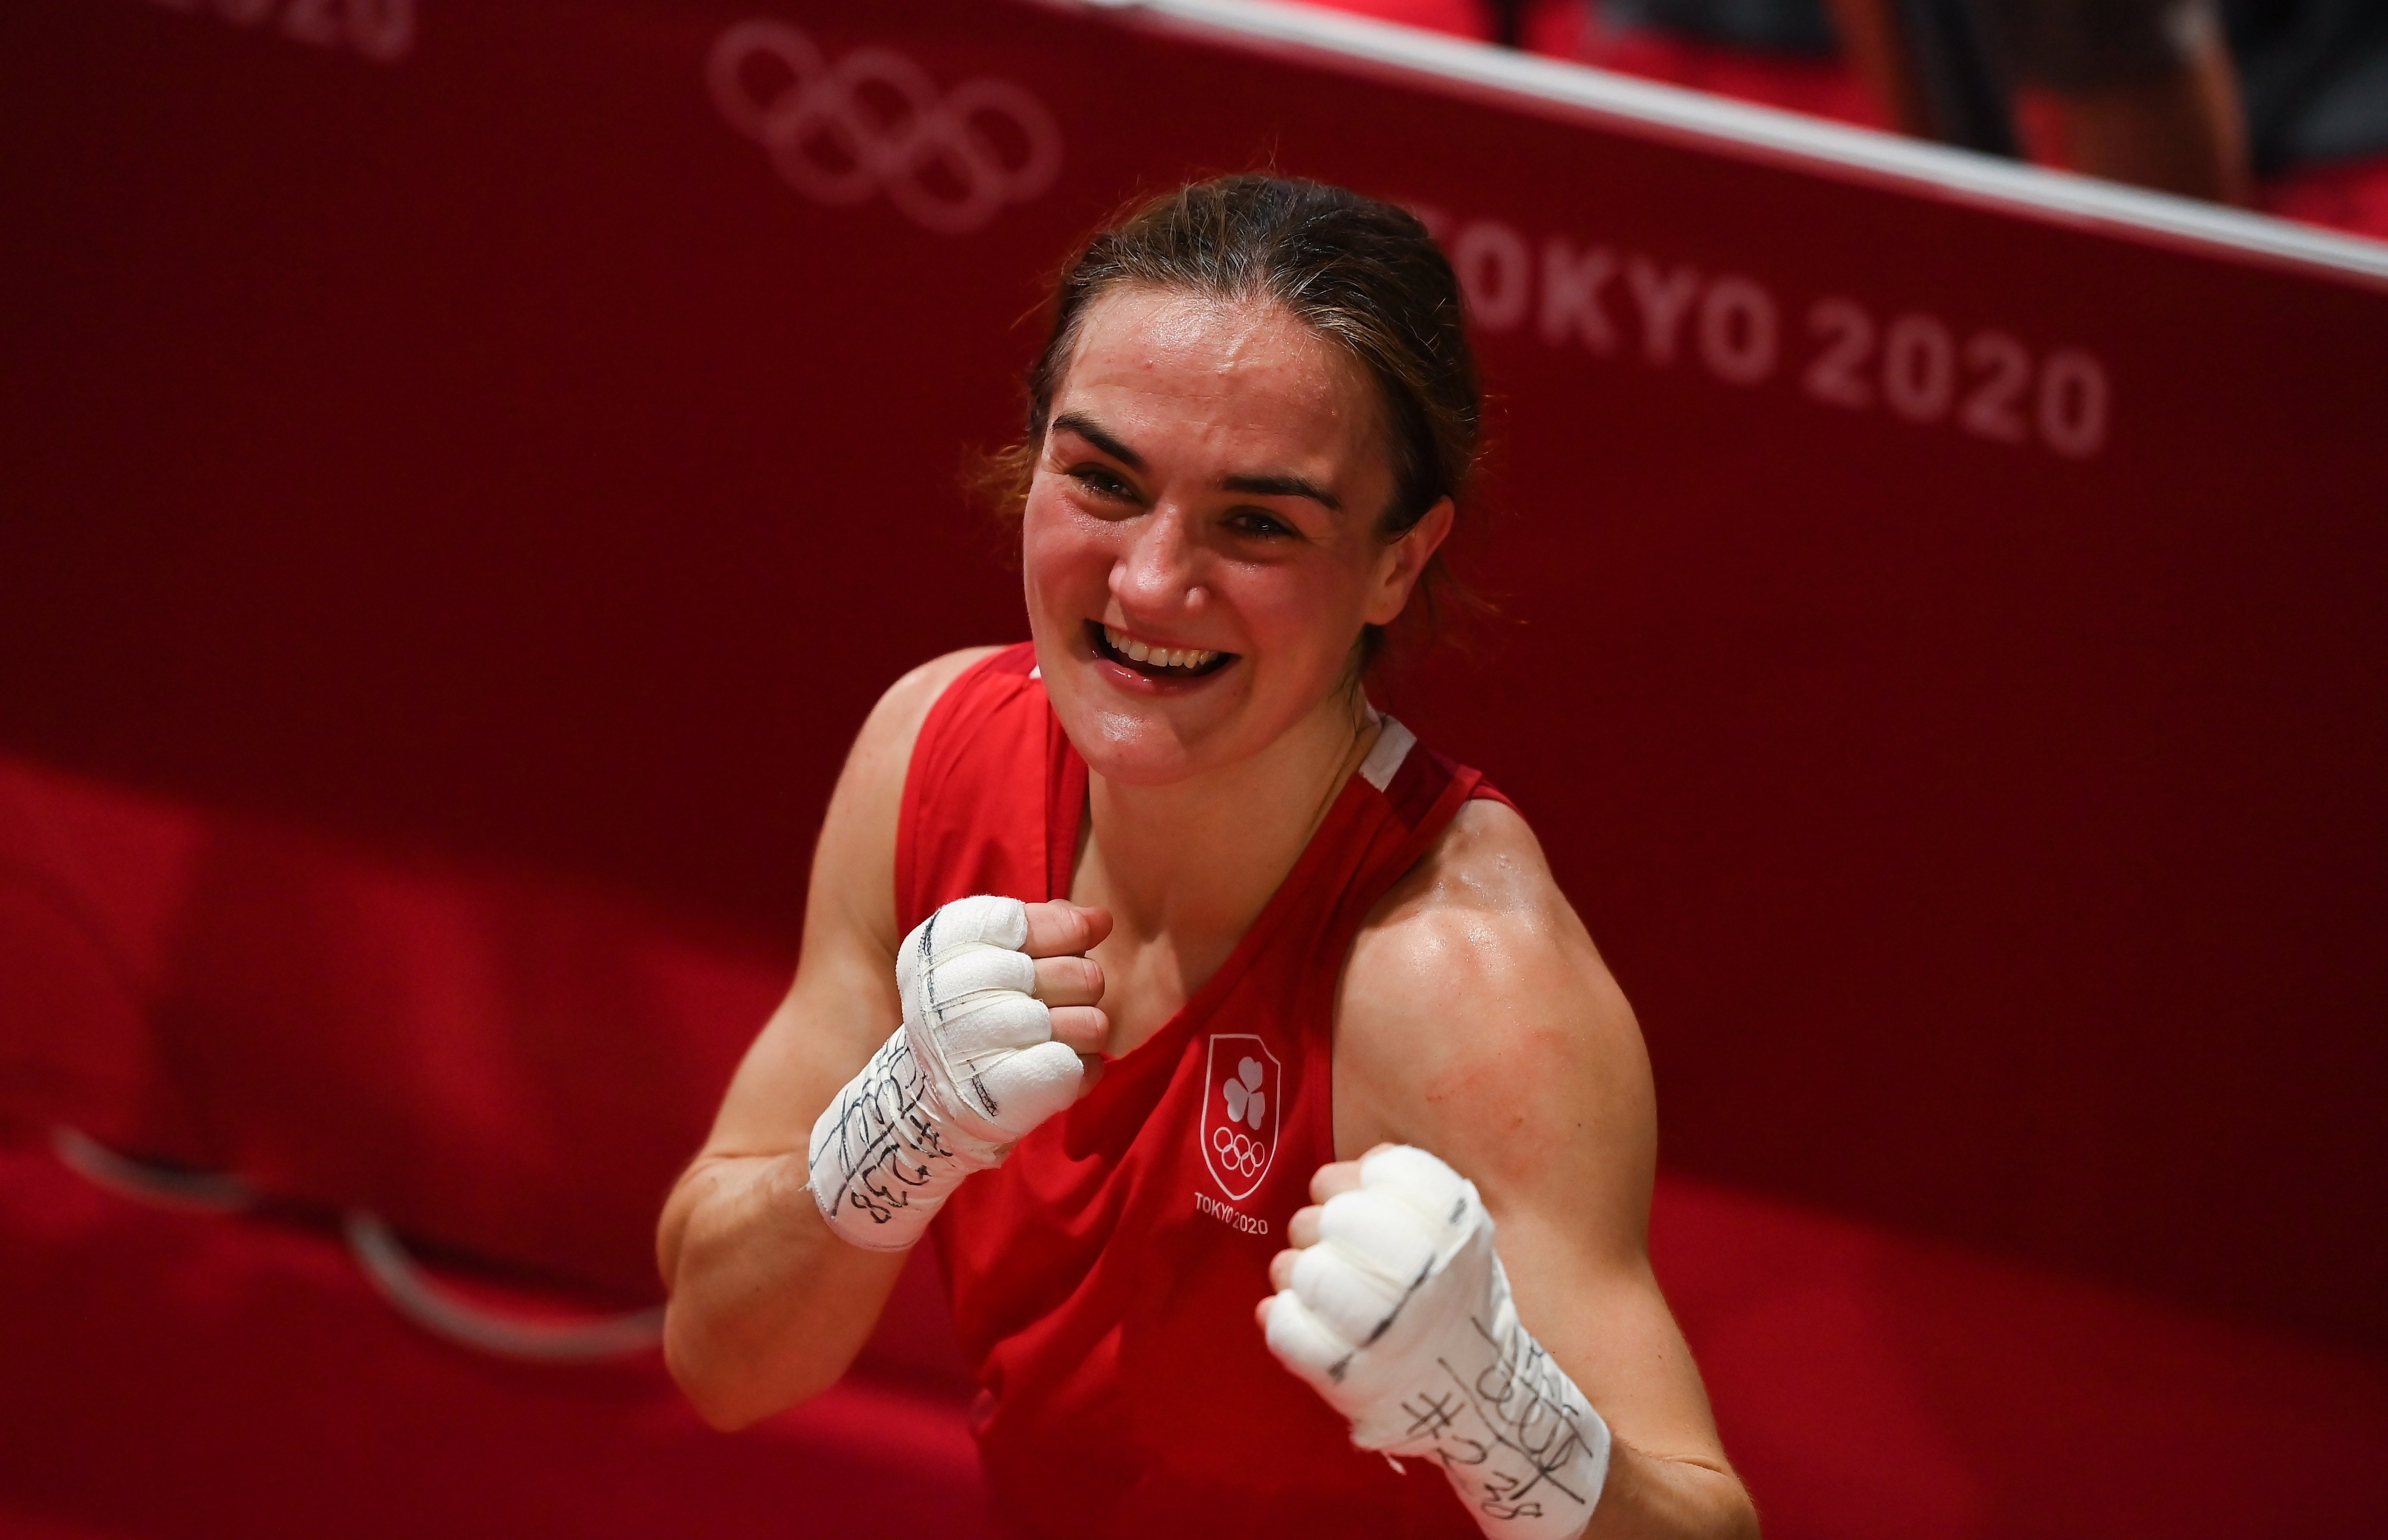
x=463, y=497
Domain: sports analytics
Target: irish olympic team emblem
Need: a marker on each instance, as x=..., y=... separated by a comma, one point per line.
x=1241, y=1099
x=875, y=123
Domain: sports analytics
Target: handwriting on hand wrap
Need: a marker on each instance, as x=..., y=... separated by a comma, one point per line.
x=887, y=1145
x=1509, y=1430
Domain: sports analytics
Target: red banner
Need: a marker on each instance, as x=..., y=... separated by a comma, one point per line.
x=1944, y=649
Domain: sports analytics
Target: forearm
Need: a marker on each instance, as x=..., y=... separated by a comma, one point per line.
x=768, y=1306
x=1652, y=1497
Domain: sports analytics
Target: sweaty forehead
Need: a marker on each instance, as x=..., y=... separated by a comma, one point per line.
x=1238, y=369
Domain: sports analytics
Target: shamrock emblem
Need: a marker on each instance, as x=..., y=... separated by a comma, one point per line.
x=1245, y=1101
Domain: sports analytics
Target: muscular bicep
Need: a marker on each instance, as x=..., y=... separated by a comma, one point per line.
x=843, y=1002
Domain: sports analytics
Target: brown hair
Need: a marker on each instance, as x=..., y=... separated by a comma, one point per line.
x=1364, y=274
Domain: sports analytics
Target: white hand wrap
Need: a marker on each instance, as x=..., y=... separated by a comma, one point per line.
x=1401, y=1317
x=972, y=1068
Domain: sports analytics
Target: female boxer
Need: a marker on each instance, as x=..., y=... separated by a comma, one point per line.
x=1126, y=941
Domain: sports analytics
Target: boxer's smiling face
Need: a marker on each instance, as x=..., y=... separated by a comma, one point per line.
x=1201, y=544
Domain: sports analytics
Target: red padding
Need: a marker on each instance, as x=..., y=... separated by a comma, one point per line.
x=196, y=1376
x=1872, y=1386
x=201, y=1376
x=510, y=1066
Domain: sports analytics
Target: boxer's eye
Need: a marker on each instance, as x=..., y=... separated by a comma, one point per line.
x=1261, y=524
x=1102, y=482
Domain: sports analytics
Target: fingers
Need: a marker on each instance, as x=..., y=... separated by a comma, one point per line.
x=1023, y=1089
x=1379, y=1235
x=1083, y=1027
x=1302, y=1232
x=992, y=1023
x=1328, y=1302
x=1064, y=929
x=1333, y=1180
x=969, y=971
x=1303, y=1342
x=1300, y=1235
x=1068, y=981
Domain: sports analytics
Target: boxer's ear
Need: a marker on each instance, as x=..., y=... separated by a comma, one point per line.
x=1404, y=559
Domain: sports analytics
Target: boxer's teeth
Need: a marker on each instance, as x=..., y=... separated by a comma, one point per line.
x=1159, y=657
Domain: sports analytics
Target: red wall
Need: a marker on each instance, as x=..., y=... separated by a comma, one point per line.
x=484, y=451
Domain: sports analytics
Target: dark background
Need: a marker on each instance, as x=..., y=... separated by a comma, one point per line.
x=488, y=456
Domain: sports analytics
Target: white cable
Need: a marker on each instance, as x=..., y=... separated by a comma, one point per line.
x=204, y=1191
x=401, y=1281
x=395, y=1274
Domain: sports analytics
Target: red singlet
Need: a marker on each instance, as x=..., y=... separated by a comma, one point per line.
x=1103, y=1278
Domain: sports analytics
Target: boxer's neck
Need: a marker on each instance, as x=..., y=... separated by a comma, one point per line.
x=1185, y=869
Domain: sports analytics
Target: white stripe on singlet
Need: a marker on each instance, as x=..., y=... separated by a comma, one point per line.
x=1393, y=745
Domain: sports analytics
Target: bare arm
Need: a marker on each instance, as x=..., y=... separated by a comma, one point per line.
x=1478, y=1022
x=768, y=1306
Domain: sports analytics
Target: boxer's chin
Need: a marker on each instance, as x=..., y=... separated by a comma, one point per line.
x=1138, y=743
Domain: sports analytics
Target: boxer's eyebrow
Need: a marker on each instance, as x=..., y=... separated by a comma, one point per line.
x=1280, y=485
x=1083, y=427
x=1284, y=486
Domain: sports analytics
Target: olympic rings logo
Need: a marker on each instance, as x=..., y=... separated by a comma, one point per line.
x=1243, y=1156
x=875, y=123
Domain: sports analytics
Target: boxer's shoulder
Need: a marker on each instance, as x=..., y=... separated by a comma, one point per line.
x=1479, y=909
x=1476, y=1018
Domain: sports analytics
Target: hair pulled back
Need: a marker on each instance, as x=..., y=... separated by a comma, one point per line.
x=1364, y=274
